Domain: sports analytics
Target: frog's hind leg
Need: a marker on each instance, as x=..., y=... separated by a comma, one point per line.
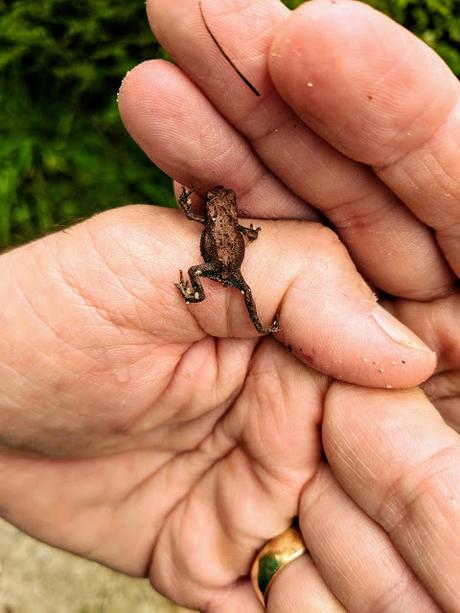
x=236, y=280
x=193, y=291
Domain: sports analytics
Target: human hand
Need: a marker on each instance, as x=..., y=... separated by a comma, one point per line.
x=361, y=122
x=380, y=212
x=382, y=527
x=398, y=466
x=164, y=439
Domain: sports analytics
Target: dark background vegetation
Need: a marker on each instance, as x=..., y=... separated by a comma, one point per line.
x=63, y=151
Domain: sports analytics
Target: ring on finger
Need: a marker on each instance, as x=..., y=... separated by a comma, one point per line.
x=273, y=557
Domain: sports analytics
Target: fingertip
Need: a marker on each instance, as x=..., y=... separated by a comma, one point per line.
x=336, y=336
x=369, y=359
x=157, y=103
x=383, y=76
x=312, y=39
x=142, y=83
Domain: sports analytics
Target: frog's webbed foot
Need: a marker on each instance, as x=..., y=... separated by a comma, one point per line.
x=238, y=281
x=275, y=327
x=184, y=198
x=185, y=204
x=193, y=291
x=190, y=292
x=251, y=232
x=254, y=231
x=267, y=330
x=183, y=286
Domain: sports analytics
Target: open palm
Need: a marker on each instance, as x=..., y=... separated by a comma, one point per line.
x=161, y=438
x=173, y=441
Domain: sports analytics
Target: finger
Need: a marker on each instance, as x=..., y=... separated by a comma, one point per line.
x=300, y=587
x=388, y=115
x=395, y=456
x=197, y=147
x=238, y=598
x=358, y=204
x=437, y=324
x=347, y=547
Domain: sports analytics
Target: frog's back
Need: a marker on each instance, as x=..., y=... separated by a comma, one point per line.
x=223, y=244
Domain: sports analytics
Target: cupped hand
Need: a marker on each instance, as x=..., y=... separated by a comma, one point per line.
x=359, y=119
x=167, y=439
x=390, y=121
x=381, y=518
x=393, y=454
x=346, y=122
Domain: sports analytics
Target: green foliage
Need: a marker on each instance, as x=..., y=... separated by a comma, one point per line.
x=63, y=151
x=437, y=22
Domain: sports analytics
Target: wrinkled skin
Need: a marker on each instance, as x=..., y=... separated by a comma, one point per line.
x=173, y=443
x=152, y=437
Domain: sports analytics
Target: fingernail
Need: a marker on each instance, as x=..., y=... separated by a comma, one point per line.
x=396, y=330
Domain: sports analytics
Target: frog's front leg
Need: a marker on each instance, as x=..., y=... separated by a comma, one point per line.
x=251, y=232
x=193, y=291
x=237, y=280
x=185, y=204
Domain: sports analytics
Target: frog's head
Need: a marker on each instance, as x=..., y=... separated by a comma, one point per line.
x=221, y=200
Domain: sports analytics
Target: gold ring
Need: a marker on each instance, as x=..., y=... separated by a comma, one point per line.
x=273, y=557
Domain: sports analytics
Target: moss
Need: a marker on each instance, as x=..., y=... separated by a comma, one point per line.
x=63, y=151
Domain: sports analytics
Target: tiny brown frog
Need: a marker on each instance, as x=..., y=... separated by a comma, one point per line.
x=222, y=248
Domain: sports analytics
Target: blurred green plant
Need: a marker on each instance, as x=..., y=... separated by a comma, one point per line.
x=437, y=22
x=63, y=151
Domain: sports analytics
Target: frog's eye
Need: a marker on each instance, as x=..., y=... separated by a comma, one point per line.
x=218, y=190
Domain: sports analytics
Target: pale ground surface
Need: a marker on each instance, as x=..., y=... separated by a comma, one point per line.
x=35, y=578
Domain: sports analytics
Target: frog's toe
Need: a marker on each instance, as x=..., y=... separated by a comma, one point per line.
x=276, y=324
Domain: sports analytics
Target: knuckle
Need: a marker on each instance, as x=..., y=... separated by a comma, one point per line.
x=417, y=497
x=403, y=589
x=326, y=240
